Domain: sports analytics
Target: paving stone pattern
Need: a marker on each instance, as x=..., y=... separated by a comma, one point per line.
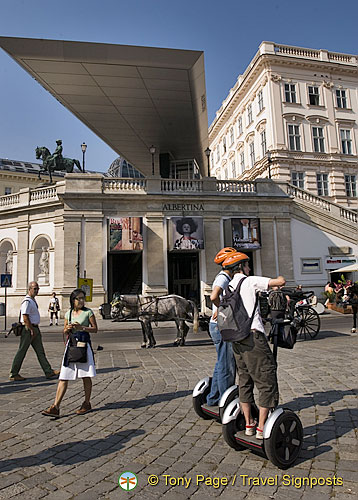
x=143, y=422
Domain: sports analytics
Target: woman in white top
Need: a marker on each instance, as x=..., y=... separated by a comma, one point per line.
x=79, y=318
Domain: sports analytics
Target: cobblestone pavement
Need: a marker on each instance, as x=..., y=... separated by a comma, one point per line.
x=143, y=422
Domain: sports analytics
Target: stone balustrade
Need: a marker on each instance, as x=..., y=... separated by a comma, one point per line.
x=9, y=200
x=334, y=209
x=227, y=186
x=43, y=194
x=124, y=185
x=181, y=185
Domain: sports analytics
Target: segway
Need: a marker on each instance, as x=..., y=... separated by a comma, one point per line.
x=200, y=392
x=283, y=431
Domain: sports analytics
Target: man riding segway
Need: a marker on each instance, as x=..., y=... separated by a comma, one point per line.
x=254, y=359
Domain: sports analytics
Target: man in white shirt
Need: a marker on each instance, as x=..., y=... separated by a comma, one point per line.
x=31, y=335
x=254, y=359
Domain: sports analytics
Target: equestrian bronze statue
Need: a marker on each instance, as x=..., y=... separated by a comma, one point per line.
x=55, y=162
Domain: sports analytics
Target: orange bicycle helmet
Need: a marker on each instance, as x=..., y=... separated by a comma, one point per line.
x=234, y=259
x=223, y=253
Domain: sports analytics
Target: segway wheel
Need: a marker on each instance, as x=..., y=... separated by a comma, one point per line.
x=231, y=428
x=233, y=395
x=284, y=444
x=199, y=400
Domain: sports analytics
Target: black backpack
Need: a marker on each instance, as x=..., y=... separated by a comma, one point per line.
x=284, y=335
x=233, y=321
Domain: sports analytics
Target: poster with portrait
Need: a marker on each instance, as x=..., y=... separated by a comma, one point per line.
x=125, y=233
x=186, y=233
x=246, y=233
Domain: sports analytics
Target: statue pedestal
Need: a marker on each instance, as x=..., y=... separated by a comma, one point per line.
x=42, y=279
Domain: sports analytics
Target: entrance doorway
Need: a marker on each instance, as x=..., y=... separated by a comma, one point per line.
x=183, y=275
x=124, y=273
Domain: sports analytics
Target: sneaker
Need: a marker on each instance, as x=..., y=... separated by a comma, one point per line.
x=250, y=429
x=259, y=433
x=17, y=378
x=53, y=411
x=50, y=324
x=85, y=408
x=54, y=374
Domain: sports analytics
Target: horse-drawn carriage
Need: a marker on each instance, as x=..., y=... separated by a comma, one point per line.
x=148, y=309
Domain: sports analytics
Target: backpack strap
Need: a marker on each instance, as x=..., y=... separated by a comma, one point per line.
x=238, y=291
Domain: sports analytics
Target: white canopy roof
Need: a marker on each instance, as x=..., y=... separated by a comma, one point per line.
x=132, y=97
x=346, y=269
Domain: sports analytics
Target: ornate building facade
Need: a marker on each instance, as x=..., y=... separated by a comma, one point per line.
x=293, y=115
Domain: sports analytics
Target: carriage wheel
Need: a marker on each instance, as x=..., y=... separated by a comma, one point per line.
x=309, y=322
x=285, y=442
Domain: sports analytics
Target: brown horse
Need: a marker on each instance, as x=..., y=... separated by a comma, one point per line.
x=148, y=309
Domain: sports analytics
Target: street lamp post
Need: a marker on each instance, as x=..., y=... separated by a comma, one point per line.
x=207, y=153
x=83, y=147
x=152, y=152
x=269, y=161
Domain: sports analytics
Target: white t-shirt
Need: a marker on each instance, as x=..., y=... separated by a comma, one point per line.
x=29, y=306
x=222, y=280
x=249, y=288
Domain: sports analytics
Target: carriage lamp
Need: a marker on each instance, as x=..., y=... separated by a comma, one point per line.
x=207, y=152
x=152, y=152
x=83, y=147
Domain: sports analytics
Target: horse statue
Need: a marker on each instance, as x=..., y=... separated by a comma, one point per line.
x=148, y=308
x=49, y=165
x=348, y=295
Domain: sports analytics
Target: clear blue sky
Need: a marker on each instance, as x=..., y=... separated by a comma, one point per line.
x=228, y=31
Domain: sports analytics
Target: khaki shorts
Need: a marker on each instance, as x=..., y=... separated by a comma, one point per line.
x=256, y=366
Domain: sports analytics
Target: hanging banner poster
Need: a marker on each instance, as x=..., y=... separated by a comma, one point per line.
x=186, y=233
x=125, y=233
x=246, y=233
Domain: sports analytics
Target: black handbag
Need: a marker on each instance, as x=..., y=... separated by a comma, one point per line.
x=77, y=346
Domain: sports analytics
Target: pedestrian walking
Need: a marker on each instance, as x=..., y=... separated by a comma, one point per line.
x=30, y=335
x=78, y=319
x=54, y=308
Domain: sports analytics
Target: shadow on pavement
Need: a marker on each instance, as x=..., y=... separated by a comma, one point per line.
x=73, y=452
x=323, y=334
x=110, y=369
x=318, y=398
x=147, y=401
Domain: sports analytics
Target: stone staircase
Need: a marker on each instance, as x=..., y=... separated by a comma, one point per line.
x=327, y=216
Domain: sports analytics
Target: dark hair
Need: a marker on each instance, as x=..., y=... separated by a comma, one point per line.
x=186, y=220
x=75, y=294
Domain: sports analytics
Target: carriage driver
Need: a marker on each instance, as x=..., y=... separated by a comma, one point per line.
x=57, y=155
x=254, y=359
x=224, y=371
